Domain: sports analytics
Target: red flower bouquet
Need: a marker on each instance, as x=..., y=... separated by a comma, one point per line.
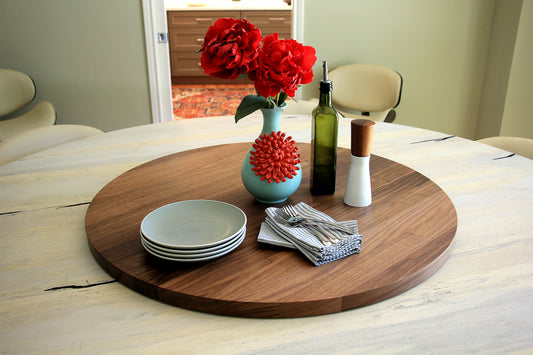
x=232, y=48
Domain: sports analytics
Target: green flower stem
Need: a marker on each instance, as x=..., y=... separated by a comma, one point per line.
x=276, y=101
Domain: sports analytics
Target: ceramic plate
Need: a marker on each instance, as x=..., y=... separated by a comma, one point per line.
x=193, y=224
x=222, y=252
x=192, y=253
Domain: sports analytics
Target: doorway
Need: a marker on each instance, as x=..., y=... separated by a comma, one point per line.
x=157, y=54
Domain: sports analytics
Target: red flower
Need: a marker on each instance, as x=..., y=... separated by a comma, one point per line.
x=230, y=48
x=275, y=158
x=283, y=65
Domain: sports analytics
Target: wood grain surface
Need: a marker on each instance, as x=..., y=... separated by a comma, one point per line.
x=362, y=136
x=408, y=233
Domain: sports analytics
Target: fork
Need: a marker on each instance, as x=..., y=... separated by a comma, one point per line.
x=289, y=213
x=317, y=228
x=316, y=231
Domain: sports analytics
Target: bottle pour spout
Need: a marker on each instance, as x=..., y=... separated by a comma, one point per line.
x=325, y=70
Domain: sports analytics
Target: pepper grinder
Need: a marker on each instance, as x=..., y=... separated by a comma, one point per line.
x=358, y=190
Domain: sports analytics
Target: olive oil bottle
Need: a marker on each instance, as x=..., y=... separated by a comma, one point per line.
x=325, y=125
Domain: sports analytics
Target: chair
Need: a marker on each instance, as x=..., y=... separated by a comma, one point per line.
x=37, y=139
x=517, y=145
x=17, y=90
x=300, y=107
x=366, y=88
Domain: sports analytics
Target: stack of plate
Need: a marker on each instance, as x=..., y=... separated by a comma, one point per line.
x=195, y=230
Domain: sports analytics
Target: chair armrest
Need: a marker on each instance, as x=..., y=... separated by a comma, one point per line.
x=43, y=114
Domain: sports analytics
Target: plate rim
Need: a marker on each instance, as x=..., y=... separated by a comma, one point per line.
x=198, y=246
x=192, y=253
x=194, y=260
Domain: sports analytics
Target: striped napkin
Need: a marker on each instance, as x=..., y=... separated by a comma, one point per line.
x=275, y=231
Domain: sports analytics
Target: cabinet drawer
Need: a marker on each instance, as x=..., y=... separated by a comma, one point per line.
x=280, y=20
x=185, y=42
x=185, y=66
x=196, y=21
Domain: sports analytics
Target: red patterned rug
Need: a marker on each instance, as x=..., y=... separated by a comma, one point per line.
x=190, y=101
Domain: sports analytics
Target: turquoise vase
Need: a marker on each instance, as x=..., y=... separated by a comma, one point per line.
x=262, y=190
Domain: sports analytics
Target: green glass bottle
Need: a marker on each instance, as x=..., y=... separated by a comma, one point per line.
x=325, y=125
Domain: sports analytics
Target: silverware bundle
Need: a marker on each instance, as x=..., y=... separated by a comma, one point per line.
x=319, y=226
x=314, y=233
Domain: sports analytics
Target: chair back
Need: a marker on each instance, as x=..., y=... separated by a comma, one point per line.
x=366, y=87
x=37, y=139
x=301, y=107
x=518, y=145
x=16, y=90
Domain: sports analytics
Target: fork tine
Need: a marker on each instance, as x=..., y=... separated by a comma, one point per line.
x=282, y=213
x=287, y=210
x=292, y=210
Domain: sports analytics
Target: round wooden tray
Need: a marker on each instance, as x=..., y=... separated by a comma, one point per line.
x=408, y=233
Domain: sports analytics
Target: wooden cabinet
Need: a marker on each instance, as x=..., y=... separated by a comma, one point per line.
x=187, y=29
x=270, y=22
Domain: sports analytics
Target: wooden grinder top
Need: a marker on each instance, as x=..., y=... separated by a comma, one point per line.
x=362, y=137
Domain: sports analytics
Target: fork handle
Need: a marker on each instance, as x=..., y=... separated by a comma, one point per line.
x=324, y=223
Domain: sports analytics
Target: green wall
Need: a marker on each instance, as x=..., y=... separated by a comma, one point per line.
x=466, y=63
x=517, y=117
x=441, y=48
x=86, y=56
x=498, y=68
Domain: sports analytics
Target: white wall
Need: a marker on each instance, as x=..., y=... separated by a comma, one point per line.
x=438, y=46
x=86, y=56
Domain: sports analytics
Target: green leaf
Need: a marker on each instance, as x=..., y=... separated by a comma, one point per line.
x=282, y=97
x=250, y=104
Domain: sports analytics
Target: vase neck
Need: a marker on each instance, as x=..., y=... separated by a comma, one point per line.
x=271, y=118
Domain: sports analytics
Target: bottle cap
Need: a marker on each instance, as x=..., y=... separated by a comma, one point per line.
x=326, y=86
x=362, y=137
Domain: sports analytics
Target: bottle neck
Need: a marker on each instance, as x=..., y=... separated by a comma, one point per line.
x=325, y=93
x=325, y=99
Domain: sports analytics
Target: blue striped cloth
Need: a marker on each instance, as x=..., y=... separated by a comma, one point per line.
x=275, y=231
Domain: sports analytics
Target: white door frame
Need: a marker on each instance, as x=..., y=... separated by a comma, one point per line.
x=157, y=54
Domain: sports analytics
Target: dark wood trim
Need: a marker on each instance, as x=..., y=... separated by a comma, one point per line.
x=408, y=234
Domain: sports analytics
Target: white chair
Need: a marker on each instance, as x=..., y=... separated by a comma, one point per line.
x=17, y=90
x=43, y=114
x=366, y=91
x=37, y=139
x=302, y=107
x=517, y=145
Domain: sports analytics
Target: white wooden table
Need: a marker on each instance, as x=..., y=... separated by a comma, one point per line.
x=54, y=297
